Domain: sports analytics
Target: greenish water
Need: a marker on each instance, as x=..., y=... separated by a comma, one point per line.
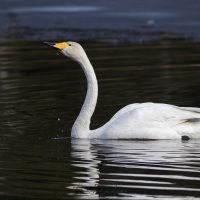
x=41, y=94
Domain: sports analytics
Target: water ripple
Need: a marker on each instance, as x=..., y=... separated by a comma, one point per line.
x=128, y=165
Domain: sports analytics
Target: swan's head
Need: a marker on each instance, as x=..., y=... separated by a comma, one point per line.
x=72, y=50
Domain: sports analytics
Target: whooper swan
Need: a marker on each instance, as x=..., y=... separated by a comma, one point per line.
x=135, y=121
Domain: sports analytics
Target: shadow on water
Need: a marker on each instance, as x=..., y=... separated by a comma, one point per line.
x=41, y=94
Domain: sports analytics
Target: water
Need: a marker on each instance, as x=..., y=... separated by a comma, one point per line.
x=103, y=20
x=40, y=96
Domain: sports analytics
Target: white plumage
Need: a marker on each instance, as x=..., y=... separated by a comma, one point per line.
x=135, y=121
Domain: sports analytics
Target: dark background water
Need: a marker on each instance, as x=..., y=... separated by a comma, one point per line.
x=142, y=51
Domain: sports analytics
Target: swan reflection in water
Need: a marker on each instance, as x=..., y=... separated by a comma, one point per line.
x=86, y=162
x=133, y=168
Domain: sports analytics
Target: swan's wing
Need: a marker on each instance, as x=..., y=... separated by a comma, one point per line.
x=169, y=115
x=159, y=112
x=151, y=120
x=190, y=126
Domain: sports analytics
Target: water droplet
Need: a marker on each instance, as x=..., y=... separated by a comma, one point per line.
x=57, y=53
x=58, y=119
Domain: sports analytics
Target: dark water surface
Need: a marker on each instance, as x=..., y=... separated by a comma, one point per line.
x=40, y=96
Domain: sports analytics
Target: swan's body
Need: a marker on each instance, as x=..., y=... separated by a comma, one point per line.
x=135, y=121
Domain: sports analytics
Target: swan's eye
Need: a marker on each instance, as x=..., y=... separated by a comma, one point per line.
x=70, y=44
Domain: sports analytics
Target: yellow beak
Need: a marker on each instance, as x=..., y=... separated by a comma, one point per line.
x=60, y=45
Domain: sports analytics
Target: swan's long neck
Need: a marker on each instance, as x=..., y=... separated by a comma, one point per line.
x=81, y=127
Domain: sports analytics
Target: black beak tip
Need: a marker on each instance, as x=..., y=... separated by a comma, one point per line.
x=49, y=44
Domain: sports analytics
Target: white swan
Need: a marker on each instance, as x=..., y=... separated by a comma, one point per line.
x=135, y=121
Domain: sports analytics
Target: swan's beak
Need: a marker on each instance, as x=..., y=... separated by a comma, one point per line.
x=60, y=45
